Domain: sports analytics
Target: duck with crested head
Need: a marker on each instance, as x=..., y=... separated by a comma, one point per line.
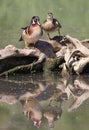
x=51, y=24
x=32, y=33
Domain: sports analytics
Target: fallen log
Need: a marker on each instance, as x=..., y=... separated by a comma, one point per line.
x=14, y=60
x=46, y=54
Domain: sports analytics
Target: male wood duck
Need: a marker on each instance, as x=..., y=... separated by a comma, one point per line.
x=34, y=111
x=32, y=33
x=51, y=24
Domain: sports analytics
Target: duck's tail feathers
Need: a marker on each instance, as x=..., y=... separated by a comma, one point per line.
x=24, y=27
x=21, y=39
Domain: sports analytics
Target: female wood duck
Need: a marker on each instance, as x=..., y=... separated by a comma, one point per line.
x=51, y=24
x=32, y=33
x=52, y=114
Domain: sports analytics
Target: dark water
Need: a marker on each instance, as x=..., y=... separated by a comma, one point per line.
x=64, y=103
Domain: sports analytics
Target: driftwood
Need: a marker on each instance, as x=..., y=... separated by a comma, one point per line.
x=62, y=53
x=13, y=59
x=77, y=57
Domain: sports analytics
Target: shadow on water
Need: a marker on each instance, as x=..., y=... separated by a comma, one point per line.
x=44, y=100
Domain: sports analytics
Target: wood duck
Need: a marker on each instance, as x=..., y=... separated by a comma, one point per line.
x=52, y=114
x=32, y=33
x=34, y=111
x=51, y=24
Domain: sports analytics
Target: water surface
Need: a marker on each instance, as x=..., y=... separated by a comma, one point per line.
x=69, y=97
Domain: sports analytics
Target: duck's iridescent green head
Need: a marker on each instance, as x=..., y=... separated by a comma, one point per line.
x=35, y=19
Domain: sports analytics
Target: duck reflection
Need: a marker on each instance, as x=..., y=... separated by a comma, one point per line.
x=52, y=114
x=33, y=95
x=34, y=111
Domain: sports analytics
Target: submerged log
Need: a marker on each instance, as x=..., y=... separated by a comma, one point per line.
x=60, y=53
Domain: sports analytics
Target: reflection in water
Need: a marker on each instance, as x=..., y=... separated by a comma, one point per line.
x=42, y=98
x=52, y=114
x=33, y=110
